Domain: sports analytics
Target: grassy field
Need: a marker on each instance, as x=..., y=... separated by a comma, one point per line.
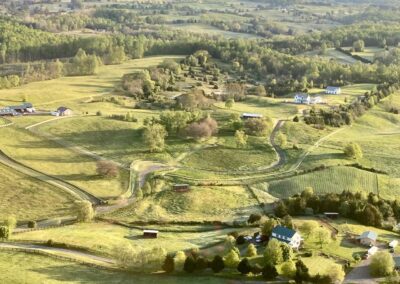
x=377, y=132
x=369, y=52
x=227, y=157
x=21, y=268
x=103, y=237
x=318, y=264
x=200, y=203
x=273, y=108
x=210, y=30
x=51, y=158
x=349, y=93
x=29, y=199
x=77, y=93
x=51, y=94
x=333, y=54
x=332, y=180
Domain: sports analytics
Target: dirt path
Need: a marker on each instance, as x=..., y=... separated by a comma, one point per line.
x=67, y=253
x=72, y=189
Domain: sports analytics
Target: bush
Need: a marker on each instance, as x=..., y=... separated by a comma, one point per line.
x=244, y=266
x=217, y=264
x=190, y=264
x=32, y=224
x=107, y=169
x=240, y=240
x=169, y=264
x=269, y=272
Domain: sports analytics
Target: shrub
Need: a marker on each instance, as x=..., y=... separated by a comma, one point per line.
x=244, y=266
x=269, y=272
x=217, y=264
x=169, y=264
x=190, y=264
x=32, y=224
x=107, y=169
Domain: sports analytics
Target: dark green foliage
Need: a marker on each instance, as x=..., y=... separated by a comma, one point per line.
x=302, y=274
x=269, y=272
x=254, y=217
x=244, y=266
x=169, y=264
x=201, y=264
x=190, y=264
x=32, y=224
x=217, y=264
x=4, y=233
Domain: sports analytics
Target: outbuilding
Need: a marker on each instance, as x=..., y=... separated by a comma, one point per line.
x=368, y=238
x=64, y=111
x=181, y=187
x=251, y=115
x=150, y=234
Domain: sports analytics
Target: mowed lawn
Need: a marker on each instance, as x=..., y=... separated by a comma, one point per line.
x=223, y=203
x=18, y=268
x=103, y=237
x=27, y=198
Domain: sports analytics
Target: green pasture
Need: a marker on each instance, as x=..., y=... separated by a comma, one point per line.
x=331, y=180
x=27, y=198
x=103, y=237
x=227, y=157
x=377, y=132
x=210, y=30
x=52, y=158
x=208, y=203
x=19, y=268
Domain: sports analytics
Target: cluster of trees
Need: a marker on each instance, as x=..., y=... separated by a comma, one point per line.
x=183, y=123
x=83, y=64
x=345, y=114
x=7, y=227
x=275, y=253
x=370, y=210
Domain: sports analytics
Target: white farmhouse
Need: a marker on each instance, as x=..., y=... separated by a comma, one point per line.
x=286, y=235
x=333, y=90
x=302, y=99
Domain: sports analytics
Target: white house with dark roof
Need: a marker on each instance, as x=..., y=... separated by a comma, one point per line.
x=330, y=90
x=368, y=238
x=286, y=235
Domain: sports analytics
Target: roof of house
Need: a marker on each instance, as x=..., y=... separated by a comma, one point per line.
x=332, y=88
x=255, y=115
x=150, y=231
x=7, y=111
x=393, y=243
x=62, y=109
x=369, y=235
x=23, y=106
x=283, y=231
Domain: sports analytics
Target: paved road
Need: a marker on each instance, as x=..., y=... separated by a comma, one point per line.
x=72, y=189
x=61, y=252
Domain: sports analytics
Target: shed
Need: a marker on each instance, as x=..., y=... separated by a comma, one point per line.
x=251, y=115
x=368, y=238
x=151, y=234
x=331, y=215
x=64, y=111
x=25, y=107
x=183, y=187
